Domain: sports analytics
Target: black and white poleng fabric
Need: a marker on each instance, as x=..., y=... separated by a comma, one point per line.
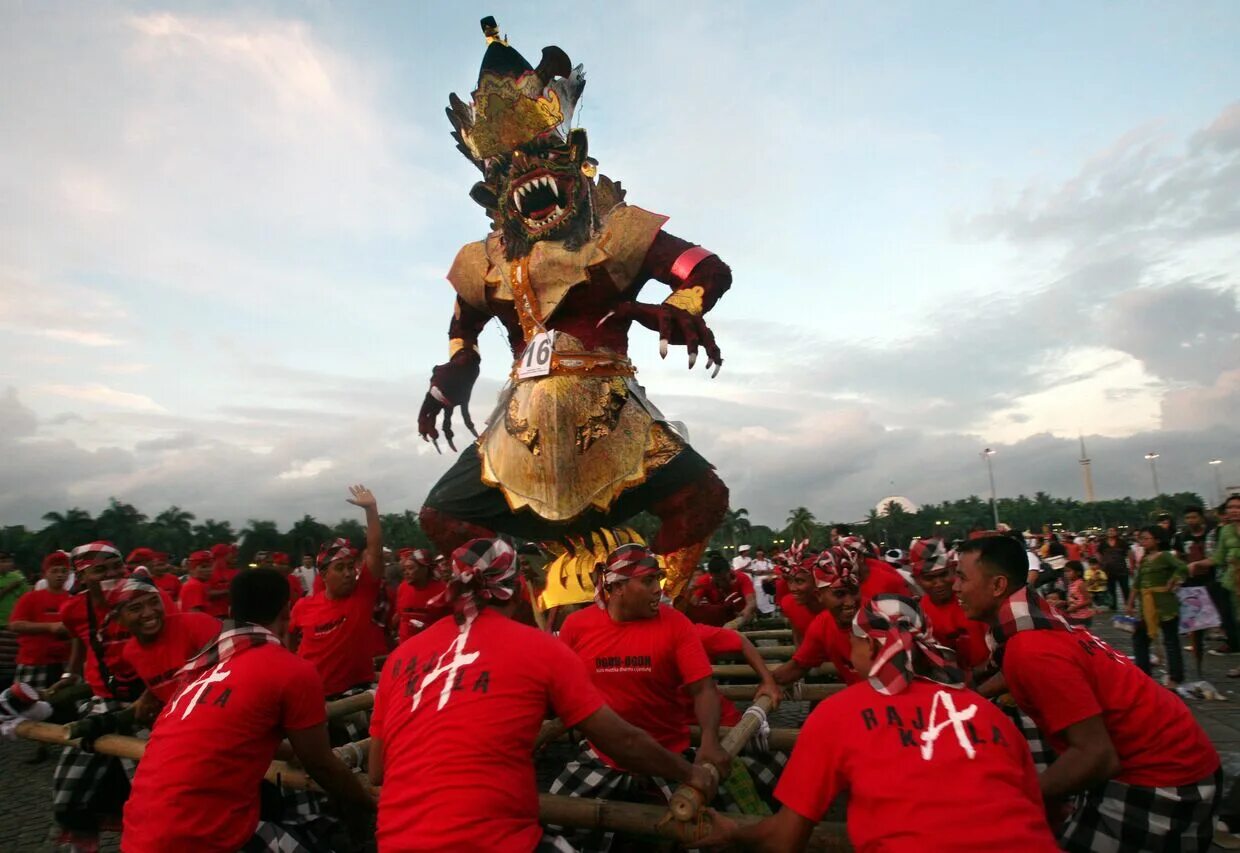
x=77, y=782
x=1119, y=818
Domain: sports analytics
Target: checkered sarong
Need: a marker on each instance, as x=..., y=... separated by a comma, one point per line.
x=78, y=781
x=764, y=769
x=272, y=837
x=39, y=676
x=1043, y=755
x=588, y=776
x=1119, y=818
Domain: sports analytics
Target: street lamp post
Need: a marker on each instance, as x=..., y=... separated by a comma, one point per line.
x=1152, y=458
x=1217, y=464
x=990, y=471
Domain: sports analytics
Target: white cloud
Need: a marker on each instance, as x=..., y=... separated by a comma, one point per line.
x=104, y=395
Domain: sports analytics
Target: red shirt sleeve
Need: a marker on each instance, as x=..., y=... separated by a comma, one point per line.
x=691, y=658
x=813, y=649
x=25, y=609
x=1048, y=684
x=202, y=628
x=744, y=583
x=568, y=632
x=718, y=641
x=193, y=596
x=573, y=695
x=302, y=706
x=813, y=776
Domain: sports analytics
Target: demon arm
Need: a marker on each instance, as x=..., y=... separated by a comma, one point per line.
x=698, y=278
x=452, y=382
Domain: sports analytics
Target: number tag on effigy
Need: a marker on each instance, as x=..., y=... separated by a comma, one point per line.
x=536, y=360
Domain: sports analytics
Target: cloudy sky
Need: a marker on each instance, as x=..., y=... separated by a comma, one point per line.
x=224, y=229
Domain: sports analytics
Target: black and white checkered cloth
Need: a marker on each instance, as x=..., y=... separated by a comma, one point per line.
x=588, y=776
x=1119, y=818
x=78, y=781
x=764, y=769
x=272, y=837
x=1043, y=755
x=39, y=676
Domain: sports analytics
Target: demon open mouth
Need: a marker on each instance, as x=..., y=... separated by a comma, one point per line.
x=541, y=199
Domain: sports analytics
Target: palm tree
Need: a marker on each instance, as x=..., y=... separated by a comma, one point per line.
x=171, y=530
x=211, y=532
x=260, y=535
x=121, y=524
x=800, y=524
x=306, y=535
x=67, y=530
x=735, y=525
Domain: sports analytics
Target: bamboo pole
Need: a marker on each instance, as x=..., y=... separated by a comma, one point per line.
x=798, y=692
x=351, y=704
x=769, y=634
x=769, y=652
x=687, y=802
x=781, y=739
x=739, y=670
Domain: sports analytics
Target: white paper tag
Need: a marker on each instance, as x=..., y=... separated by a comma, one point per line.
x=536, y=360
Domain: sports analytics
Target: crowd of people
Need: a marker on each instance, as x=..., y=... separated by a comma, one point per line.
x=970, y=680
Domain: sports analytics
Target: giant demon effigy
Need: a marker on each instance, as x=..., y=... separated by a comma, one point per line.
x=573, y=448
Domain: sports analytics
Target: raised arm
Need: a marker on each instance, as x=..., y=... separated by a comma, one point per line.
x=362, y=497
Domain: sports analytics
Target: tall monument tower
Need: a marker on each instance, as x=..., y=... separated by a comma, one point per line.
x=1087, y=474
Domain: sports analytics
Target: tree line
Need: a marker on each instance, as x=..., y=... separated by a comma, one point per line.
x=178, y=531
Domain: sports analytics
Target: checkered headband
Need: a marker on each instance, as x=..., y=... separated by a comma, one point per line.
x=483, y=569
x=93, y=553
x=337, y=549
x=835, y=568
x=855, y=544
x=907, y=648
x=234, y=639
x=420, y=556
x=930, y=555
x=624, y=563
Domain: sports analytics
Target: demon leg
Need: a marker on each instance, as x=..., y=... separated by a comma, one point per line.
x=449, y=533
x=689, y=516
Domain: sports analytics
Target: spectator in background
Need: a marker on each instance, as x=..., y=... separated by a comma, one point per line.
x=194, y=591
x=1095, y=580
x=1158, y=575
x=1079, y=604
x=1191, y=544
x=42, y=642
x=1113, y=557
x=305, y=573
x=722, y=597
x=12, y=587
x=1225, y=555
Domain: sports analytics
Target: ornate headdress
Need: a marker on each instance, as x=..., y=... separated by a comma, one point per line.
x=514, y=103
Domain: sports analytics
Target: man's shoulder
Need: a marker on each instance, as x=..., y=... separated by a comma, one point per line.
x=1037, y=645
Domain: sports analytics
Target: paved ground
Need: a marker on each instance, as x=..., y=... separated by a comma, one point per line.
x=25, y=790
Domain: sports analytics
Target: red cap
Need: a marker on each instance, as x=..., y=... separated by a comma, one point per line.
x=141, y=555
x=222, y=549
x=279, y=558
x=56, y=558
x=198, y=558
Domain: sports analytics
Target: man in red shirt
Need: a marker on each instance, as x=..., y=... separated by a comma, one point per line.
x=161, y=642
x=194, y=592
x=280, y=562
x=332, y=628
x=912, y=747
x=1144, y=769
x=162, y=576
x=722, y=596
x=459, y=707
x=42, y=643
x=802, y=604
x=832, y=576
x=89, y=788
x=641, y=655
x=420, y=601
x=223, y=570
x=934, y=568
x=197, y=786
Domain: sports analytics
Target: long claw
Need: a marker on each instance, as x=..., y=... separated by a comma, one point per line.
x=607, y=317
x=662, y=347
x=692, y=359
x=435, y=442
x=716, y=373
x=469, y=422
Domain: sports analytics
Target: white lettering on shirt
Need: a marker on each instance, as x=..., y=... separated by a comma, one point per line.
x=955, y=719
x=448, y=670
x=203, y=684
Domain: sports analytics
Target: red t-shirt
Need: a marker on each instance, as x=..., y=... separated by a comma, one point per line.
x=718, y=642
x=733, y=595
x=641, y=667
x=458, y=713
x=336, y=634
x=413, y=605
x=198, y=782
x=906, y=794
x=826, y=641
x=157, y=662
x=73, y=615
x=781, y=588
x=882, y=578
x=40, y=605
x=1059, y=678
x=295, y=591
x=221, y=578
x=953, y=629
x=194, y=596
x=798, y=614
x=169, y=583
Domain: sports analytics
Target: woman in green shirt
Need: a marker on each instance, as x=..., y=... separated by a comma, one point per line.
x=1154, y=585
x=1226, y=555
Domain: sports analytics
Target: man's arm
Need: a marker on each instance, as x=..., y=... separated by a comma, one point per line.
x=73, y=668
x=632, y=748
x=314, y=751
x=21, y=626
x=362, y=497
x=785, y=830
x=706, y=710
x=375, y=761
x=767, y=685
x=788, y=673
x=1089, y=760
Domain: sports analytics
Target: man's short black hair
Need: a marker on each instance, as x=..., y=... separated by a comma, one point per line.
x=1193, y=508
x=1161, y=536
x=258, y=595
x=717, y=563
x=1000, y=555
